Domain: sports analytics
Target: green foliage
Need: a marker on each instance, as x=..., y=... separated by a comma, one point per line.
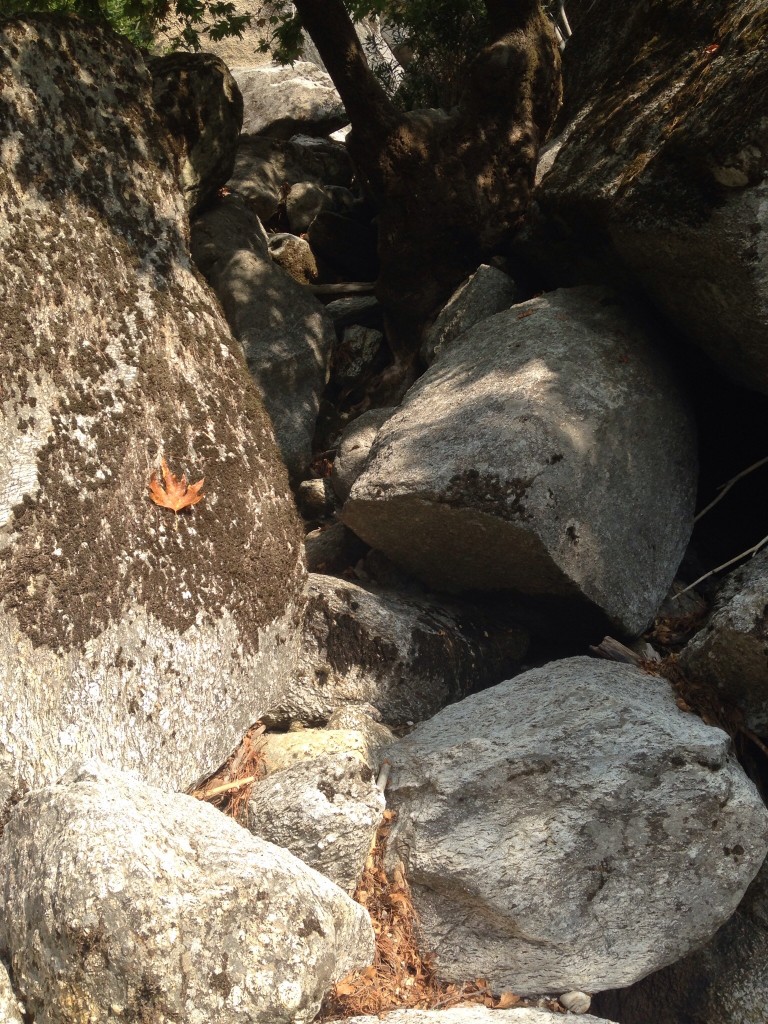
x=140, y=20
x=440, y=37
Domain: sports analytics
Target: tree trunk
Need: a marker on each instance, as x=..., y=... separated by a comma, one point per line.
x=450, y=187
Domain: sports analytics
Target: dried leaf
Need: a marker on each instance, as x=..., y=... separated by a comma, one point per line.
x=507, y=999
x=174, y=493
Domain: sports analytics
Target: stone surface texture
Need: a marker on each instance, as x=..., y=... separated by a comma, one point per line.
x=664, y=158
x=294, y=255
x=286, y=338
x=147, y=639
x=485, y=478
x=473, y=1015
x=227, y=226
x=325, y=811
x=283, y=750
x=553, y=826
x=354, y=448
x=407, y=655
x=265, y=168
x=486, y=292
x=11, y=1010
x=115, y=894
x=726, y=982
x=199, y=102
x=281, y=101
x=332, y=548
x=730, y=653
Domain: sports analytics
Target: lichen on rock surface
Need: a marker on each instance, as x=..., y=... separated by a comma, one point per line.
x=122, y=629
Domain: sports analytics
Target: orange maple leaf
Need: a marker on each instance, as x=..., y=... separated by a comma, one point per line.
x=174, y=493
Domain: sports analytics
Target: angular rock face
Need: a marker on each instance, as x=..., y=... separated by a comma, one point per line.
x=726, y=982
x=487, y=476
x=325, y=811
x=287, y=339
x=406, y=656
x=354, y=448
x=486, y=292
x=572, y=829
x=473, y=1015
x=264, y=165
x=115, y=894
x=731, y=653
x=664, y=155
x=200, y=104
x=148, y=639
x=10, y=1007
x=281, y=101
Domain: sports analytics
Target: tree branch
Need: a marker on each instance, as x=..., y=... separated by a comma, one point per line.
x=333, y=33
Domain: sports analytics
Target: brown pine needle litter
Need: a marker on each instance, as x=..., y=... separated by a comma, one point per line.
x=401, y=976
x=230, y=788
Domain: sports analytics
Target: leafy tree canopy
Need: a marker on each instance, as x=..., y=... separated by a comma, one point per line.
x=439, y=36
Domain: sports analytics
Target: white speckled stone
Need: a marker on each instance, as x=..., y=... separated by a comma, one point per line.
x=552, y=828
x=113, y=893
x=548, y=451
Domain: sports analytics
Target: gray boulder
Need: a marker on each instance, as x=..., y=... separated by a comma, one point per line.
x=117, y=895
x=325, y=811
x=265, y=169
x=547, y=452
x=287, y=339
x=200, y=104
x=127, y=632
x=407, y=656
x=227, y=226
x=664, y=158
x=725, y=982
x=473, y=1015
x=354, y=448
x=730, y=654
x=283, y=100
x=283, y=751
x=332, y=548
x=11, y=1010
x=304, y=201
x=486, y=292
x=553, y=826
x=295, y=257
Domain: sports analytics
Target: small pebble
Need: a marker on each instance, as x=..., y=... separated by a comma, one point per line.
x=576, y=1002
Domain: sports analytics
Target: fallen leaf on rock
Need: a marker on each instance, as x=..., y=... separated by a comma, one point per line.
x=174, y=493
x=505, y=1000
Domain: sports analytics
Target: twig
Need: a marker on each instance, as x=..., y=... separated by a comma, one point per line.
x=226, y=787
x=750, y=551
x=724, y=490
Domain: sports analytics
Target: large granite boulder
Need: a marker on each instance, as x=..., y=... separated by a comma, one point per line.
x=118, y=900
x=281, y=101
x=147, y=638
x=730, y=654
x=663, y=163
x=547, y=451
x=553, y=827
x=200, y=104
x=725, y=982
x=407, y=655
